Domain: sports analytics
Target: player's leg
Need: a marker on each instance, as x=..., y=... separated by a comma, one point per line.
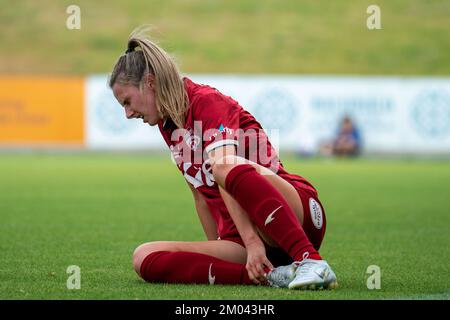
x=274, y=186
x=268, y=208
x=221, y=249
x=218, y=261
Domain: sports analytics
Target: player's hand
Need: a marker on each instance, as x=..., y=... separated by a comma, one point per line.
x=257, y=262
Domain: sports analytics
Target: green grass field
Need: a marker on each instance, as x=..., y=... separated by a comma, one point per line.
x=231, y=36
x=92, y=210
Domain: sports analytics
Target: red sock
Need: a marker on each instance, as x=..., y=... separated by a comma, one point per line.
x=190, y=267
x=260, y=199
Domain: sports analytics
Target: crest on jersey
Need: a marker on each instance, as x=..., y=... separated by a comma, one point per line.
x=193, y=141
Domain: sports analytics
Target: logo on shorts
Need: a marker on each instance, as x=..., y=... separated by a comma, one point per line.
x=316, y=213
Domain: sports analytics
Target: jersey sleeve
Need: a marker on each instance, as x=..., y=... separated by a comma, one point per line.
x=218, y=118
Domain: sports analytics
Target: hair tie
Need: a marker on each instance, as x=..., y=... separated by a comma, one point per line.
x=129, y=50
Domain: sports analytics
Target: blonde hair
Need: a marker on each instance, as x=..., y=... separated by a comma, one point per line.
x=143, y=57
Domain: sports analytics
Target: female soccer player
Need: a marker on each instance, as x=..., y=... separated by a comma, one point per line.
x=263, y=225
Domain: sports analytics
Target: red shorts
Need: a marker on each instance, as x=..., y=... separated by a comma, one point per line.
x=314, y=225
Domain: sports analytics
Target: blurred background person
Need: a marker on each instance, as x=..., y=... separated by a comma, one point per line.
x=347, y=141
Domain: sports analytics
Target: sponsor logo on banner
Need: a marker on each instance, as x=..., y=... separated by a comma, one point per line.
x=110, y=116
x=430, y=113
x=276, y=109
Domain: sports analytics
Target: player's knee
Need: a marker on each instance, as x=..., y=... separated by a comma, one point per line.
x=137, y=258
x=224, y=165
x=142, y=251
x=219, y=170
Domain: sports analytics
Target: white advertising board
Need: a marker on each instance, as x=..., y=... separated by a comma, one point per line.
x=393, y=114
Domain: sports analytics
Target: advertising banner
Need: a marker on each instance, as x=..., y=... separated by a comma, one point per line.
x=41, y=111
x=393, y=114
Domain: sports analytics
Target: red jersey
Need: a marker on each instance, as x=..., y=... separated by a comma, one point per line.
x=214, y=120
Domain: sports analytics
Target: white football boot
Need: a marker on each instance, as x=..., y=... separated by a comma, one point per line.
x=313, y=274
x=280, y=277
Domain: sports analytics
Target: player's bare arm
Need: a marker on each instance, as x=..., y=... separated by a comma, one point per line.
x=207, y=221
